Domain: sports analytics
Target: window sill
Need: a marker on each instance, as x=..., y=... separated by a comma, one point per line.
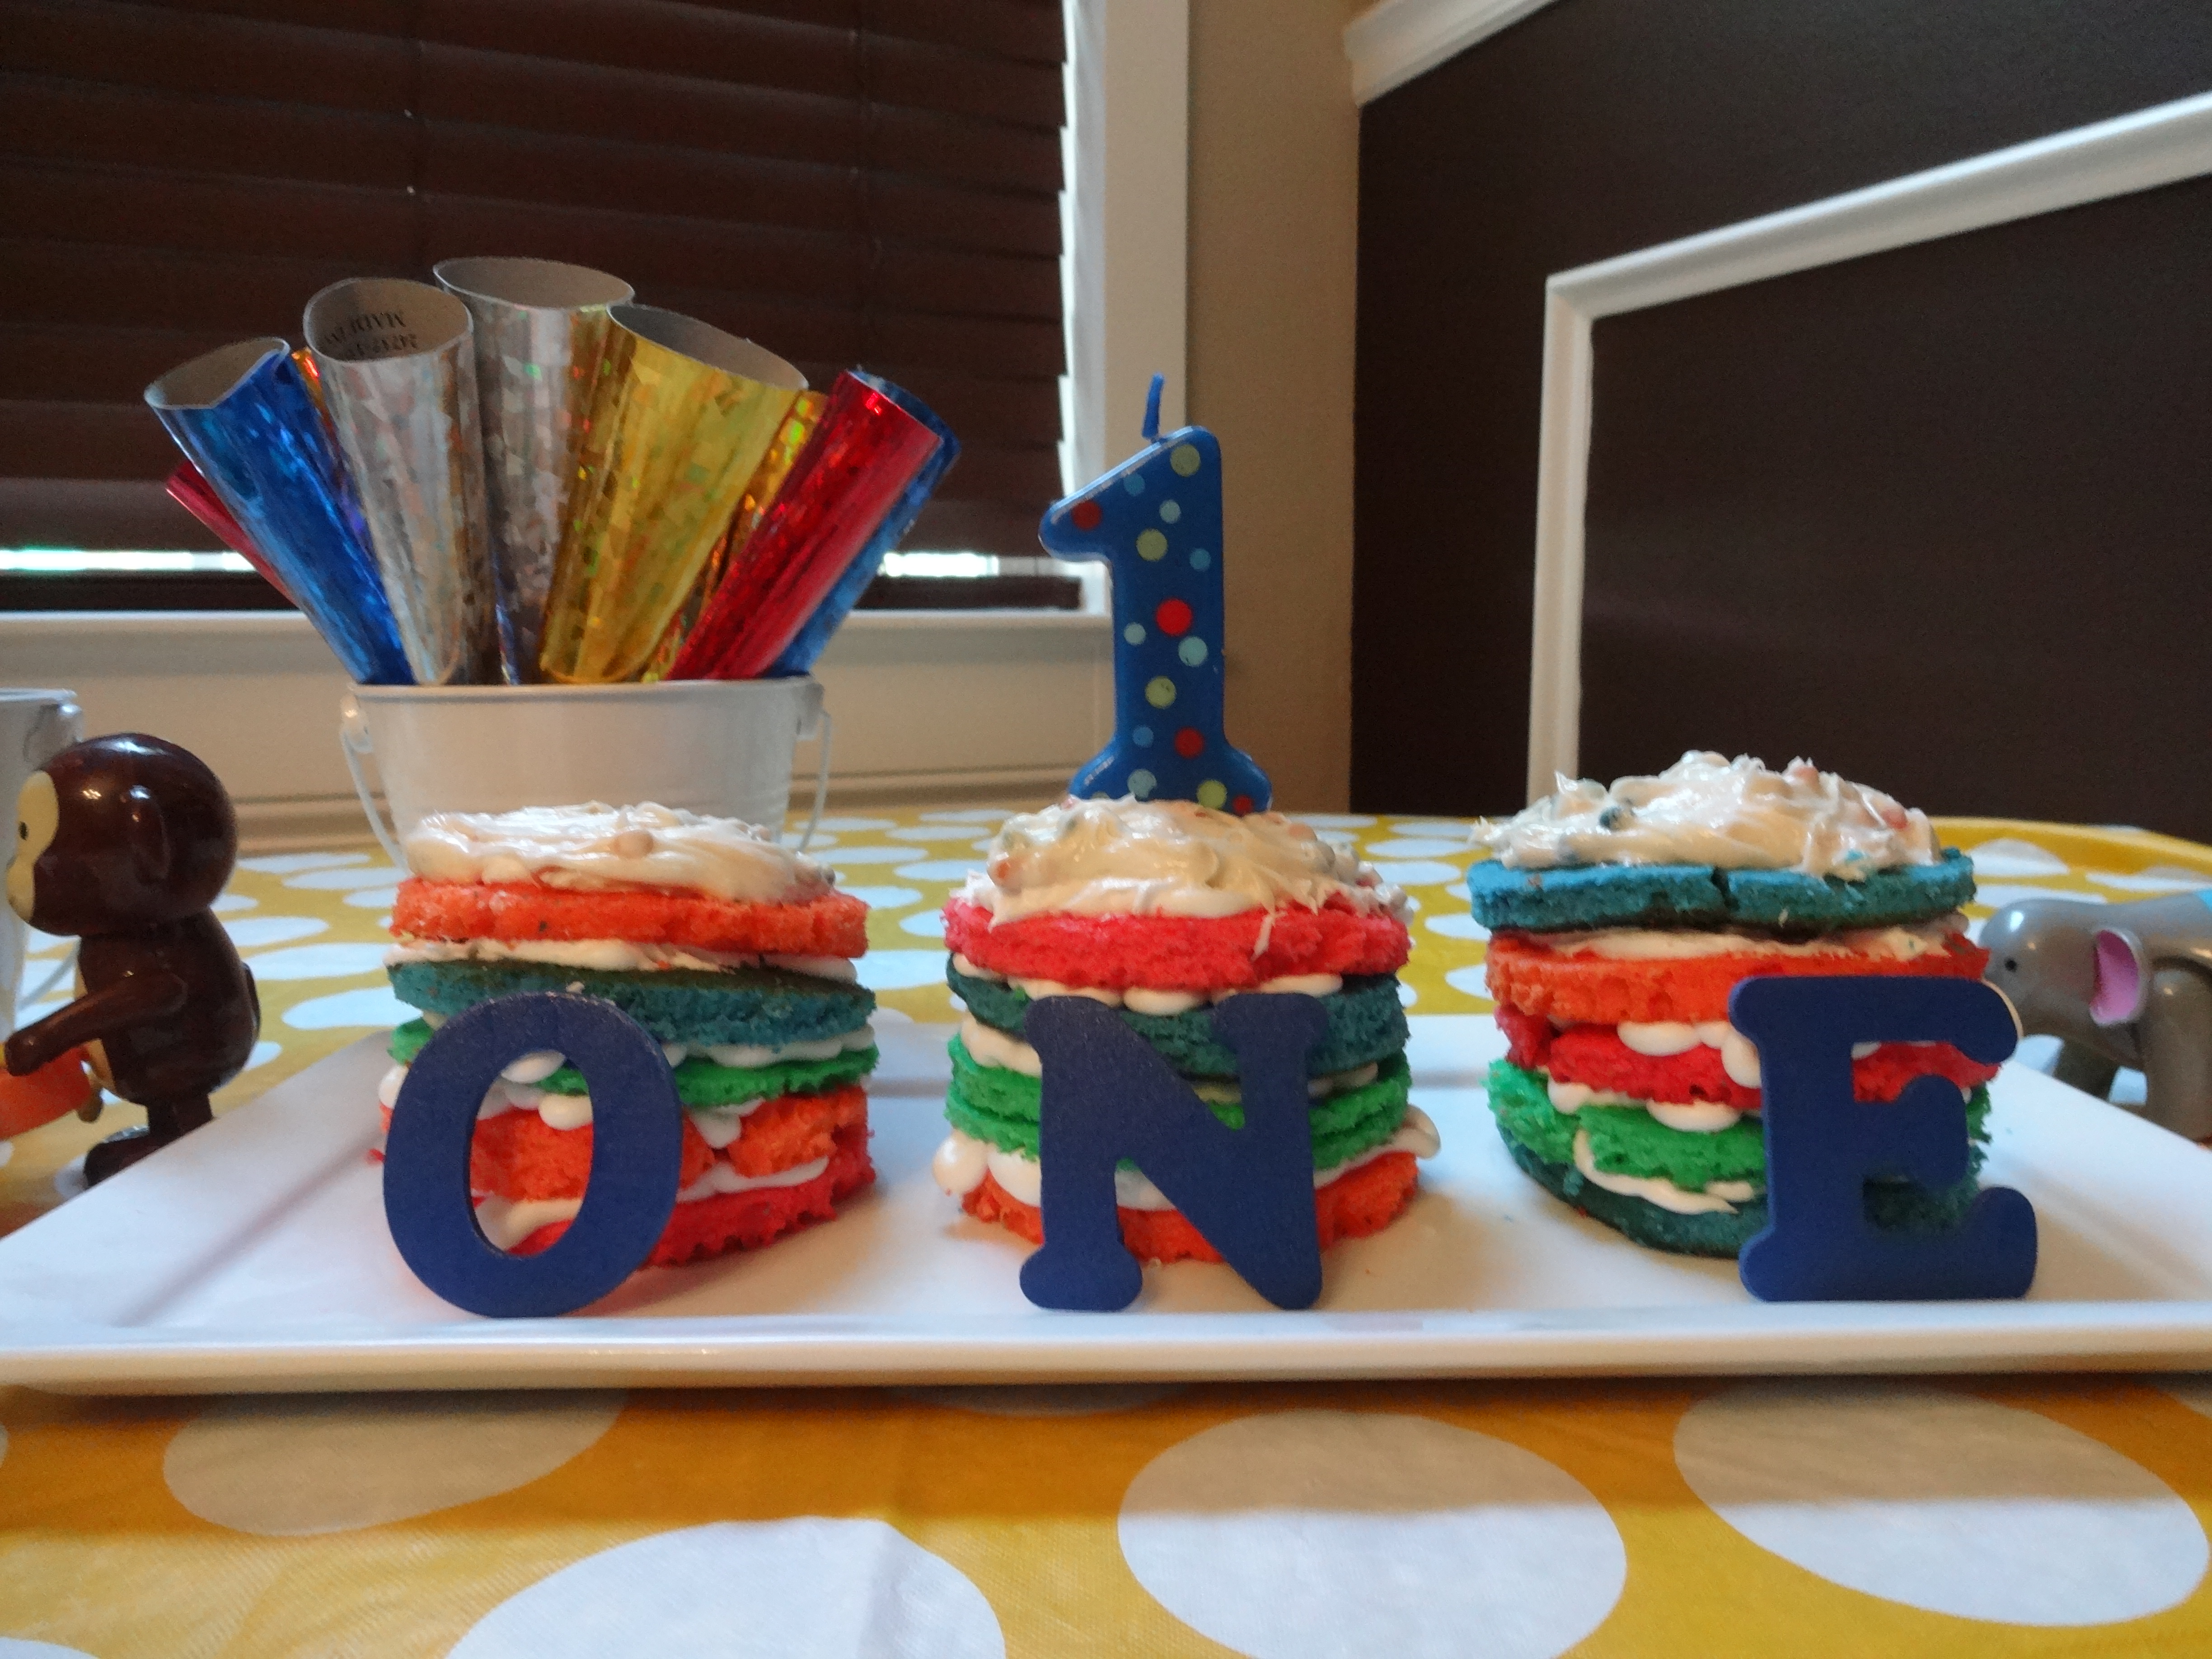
x=927, y=704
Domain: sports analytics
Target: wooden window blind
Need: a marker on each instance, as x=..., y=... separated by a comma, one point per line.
x=847, y=181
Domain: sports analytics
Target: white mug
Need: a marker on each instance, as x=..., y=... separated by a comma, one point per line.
x=35, y=725
x=720, y=747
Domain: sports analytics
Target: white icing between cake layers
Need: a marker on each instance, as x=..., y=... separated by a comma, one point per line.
x=1167, y=858
x=1707, y=809
x=1907, y=942
x=506, y=1222
x=1718, y=1197
x=962, y=1161
x=719, y=1125
x=613, y=955
x=1139, y=999
x=596, y=848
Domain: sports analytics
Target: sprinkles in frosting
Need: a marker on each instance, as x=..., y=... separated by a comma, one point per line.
x=1168, y=857
x=597, y=847
x=1731, y=814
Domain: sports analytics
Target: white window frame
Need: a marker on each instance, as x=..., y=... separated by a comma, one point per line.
x=2161, y=145
x=945, y=704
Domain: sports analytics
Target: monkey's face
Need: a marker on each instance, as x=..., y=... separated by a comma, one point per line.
x=38, y=817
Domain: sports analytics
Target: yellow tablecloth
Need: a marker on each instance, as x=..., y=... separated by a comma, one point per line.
x=2031, y=1516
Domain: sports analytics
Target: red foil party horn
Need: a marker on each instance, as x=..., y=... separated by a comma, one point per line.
x=864, y=453
x=191, y=491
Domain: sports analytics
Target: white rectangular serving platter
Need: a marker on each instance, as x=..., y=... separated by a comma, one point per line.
x=253, y=1256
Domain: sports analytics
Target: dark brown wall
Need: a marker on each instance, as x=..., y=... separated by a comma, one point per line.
x=1940, y=518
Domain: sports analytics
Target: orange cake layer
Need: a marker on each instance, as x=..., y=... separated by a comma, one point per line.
x=834, y=925
x=1180, y=953
x=1358, y=1202
x=1594, y=990
x=744, y=1221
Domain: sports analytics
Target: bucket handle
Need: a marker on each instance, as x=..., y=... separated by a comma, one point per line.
x=822, y=729
x=354, y=741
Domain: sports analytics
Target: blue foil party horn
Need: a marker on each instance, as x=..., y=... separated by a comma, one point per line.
x=244, y=416
x=806, y=645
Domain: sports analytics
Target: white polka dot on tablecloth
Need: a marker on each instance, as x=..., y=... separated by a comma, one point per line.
x=264, y=1052
x=882, y=898
x=1456, y=830
x=21, y=1647
x=1416, y=872
x=1454, y=924
x=290, y=1468
x=255, y=931
x=1297, y=1534
x=1998, y=894
x=290, y=864
x=371, y=1006
x=938, y=870
x=1332, y=820
x=993, y=814
x=804, y=1589
x=1416, y=846
x=1407, y=996
x=926, y=924
x=2011, y=857
x=1940, y=1501
x=1469, y=980
x=842, y=856
x=231, y=903
x=901, y=971
x=855, y=826
x=926, y=832
x=344, y=881
x=373, y=898
x=2159, y=878
x=329, y=961
x=1047, y=1399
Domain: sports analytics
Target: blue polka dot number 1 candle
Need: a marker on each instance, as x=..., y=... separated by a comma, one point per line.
x=1156, y=521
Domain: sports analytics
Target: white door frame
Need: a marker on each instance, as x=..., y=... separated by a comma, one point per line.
x=2161, y=145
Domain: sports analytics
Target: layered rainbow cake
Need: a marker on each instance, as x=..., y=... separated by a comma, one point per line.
x=1620, y=920
x=1160, y=910
x=735, y=953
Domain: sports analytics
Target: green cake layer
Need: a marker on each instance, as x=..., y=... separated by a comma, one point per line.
x=699, y=1081
x=1366, y=1022
x=1628, y=1141
x=999, y=1106
x=765, y=1006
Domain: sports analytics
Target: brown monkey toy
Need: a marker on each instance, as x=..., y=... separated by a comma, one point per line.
x=125, y=842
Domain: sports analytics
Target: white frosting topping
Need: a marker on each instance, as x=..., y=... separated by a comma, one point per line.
x=594, y=846
x=1707, y=809
x=506, y=1222
x=962, y=1161
x=1904, y=943
x=1168, y=857
x=1145, y=1000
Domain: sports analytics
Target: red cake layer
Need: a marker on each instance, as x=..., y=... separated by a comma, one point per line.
x=519, y=1155
x=1594, y=990
x=1595, y=1055
x=1180, y=953
x=746, y=1221
x=834, y=925
x=1361, y=1202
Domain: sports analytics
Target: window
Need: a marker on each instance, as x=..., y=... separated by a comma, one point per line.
x=848, y=181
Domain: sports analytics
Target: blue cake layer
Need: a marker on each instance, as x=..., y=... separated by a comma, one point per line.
x=1700, y=894
x=767, y=1007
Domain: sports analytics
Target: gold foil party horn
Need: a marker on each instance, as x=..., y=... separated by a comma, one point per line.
x=399, y=380
x=729, y=548
x=540, y=325
x=680, y=417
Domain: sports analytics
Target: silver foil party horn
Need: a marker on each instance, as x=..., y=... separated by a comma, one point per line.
x=399, y=377
x=243, y=414
x=540, y=325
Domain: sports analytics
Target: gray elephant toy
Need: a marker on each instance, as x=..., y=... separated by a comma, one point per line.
x=2120, y=985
